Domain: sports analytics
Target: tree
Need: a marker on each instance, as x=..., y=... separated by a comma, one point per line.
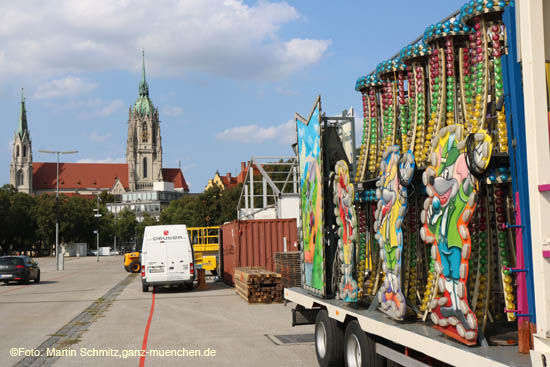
x=209, y=210
x=77, y=219
x=18, y=222
x=140, y=227
x=126, y=225
x=182, y=211
x=228, y=204
x=6, y=192
x=45, y=221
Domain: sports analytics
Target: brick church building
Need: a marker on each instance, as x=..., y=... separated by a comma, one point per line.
x=142, y=171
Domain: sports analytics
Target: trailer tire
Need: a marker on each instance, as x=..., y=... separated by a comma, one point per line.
x=360, y=347
x=329, y=340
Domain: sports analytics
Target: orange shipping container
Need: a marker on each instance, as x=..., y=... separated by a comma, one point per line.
x=255, y=242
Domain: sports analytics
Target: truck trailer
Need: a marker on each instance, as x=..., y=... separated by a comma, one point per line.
x=427, y=246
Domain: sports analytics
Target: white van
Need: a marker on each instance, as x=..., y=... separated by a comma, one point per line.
x=167, y=257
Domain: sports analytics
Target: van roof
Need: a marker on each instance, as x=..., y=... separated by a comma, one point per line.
x=170, y=228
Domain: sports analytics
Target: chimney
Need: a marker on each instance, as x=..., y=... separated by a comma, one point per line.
x=243, y=166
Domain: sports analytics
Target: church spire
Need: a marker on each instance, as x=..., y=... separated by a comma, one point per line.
x=143, y=87
x=22, y=117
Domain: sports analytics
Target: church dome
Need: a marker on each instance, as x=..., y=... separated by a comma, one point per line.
x=144, y=105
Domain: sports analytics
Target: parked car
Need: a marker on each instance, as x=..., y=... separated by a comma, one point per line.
x=19, y=269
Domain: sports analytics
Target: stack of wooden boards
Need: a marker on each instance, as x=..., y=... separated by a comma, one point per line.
x=288, y=265
x=257, y=285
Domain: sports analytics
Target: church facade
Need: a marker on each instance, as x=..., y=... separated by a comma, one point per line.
x=142, y=171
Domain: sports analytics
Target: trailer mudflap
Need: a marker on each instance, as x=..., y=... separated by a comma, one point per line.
x=303, y=316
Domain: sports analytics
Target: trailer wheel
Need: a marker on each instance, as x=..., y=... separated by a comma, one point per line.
x=329, y=340
x=360, y=347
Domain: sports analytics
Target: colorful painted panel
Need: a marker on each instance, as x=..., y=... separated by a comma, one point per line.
x=396, y=173
x=346, y=220
x=311, y=199
x=452, y=186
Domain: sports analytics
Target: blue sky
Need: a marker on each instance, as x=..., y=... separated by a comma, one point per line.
x=226, y=75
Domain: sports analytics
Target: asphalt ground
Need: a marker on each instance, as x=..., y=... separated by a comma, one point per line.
x=95, y=314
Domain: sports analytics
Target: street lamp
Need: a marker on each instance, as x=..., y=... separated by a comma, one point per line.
x=97, y=215
x=59, y=259
x=115, y=210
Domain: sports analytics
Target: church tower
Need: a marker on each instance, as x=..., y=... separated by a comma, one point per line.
x=144, y=146
x=21, y=159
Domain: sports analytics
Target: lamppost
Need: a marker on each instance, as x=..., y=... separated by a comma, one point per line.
x=59, y=259
x=97, y=215
x=115, y=210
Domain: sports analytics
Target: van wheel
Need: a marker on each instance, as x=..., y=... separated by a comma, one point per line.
x=329, y=340
x=144, y=287
x=135, y=266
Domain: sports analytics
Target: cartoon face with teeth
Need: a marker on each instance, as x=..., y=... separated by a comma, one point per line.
x=451, y=188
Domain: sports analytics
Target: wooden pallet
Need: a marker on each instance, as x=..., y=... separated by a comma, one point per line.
x=288, y=265
x=257, y=285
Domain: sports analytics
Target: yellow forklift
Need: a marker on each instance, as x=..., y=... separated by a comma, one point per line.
x=132, y=262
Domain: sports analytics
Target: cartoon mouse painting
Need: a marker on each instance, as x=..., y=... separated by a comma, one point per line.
x=451, y=185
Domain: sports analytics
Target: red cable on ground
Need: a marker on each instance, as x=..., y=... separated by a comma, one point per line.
x=146, y=335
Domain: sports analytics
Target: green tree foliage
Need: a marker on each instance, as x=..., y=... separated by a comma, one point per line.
x=27, y=223
x=140, y=227
x=126, y=225
x=213, y=207
x=45, y=222
x=182, y=211
x=77, y=221
x=18, y=223
x=228, y=204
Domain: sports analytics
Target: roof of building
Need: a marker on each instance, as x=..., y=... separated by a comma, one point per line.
x=92, y=175
x=229, y=181
x=174, y=175
x=22, y=128
x=143, y=105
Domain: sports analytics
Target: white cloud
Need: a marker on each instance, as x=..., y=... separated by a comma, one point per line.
x=173, y=111
x=103, y=160
x=110, y=108
x=98, y=138
x=68, y=86
x=284, y=133
x=45, y=39
x=90, y=108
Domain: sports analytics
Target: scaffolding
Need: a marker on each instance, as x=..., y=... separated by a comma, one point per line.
x=270, y=189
